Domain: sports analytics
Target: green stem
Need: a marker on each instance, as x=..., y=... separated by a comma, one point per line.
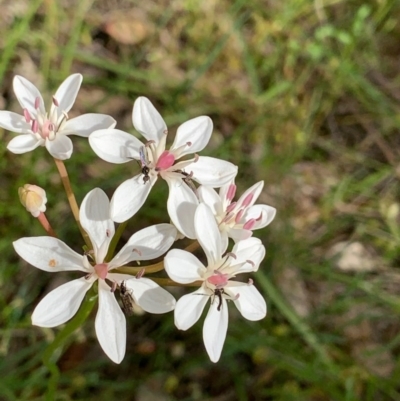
x=71, y=199
x=309, y=337
x=115, y=239
x=48, y=355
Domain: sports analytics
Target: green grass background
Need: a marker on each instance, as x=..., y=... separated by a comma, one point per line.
x=303, y=95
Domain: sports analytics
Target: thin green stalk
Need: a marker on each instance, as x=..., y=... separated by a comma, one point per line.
x=309, y=337
x=114, y=241
x=48, y=355
x=71, y=199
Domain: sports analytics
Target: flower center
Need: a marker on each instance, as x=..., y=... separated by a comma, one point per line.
x=165, y=161
x=44, y=126
x=218, y=279
x=101, y=270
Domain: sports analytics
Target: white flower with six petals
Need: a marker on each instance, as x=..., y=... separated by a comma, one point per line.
x=52, y=255
x=116, y=146
x=39, y=128
x=183, y=267
x=237, y=220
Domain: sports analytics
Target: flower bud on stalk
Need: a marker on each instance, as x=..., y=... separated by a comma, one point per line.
x=34, y=199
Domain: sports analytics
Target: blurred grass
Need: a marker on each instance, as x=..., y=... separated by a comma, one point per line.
x=304, y=95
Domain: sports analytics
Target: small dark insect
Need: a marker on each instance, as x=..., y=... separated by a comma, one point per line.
x=126, y=299
x=218, y=293
x=187, y=179
x=144, y=164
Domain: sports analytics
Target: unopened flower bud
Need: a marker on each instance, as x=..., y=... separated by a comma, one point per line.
x=33, y=198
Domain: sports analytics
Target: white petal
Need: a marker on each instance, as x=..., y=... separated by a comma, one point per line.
x=183, y=267
x=239, y=234
x=147, y=120
x=61, y=304
x=23, y=143
x=197, y=131
x=189, y=308
x=212, y=172
x=115, y=146
x=110, y=324
x=67, y=92
x=61, y=147
x=211, y=198
x=87, y=123
x=150, y=296
x=94, y=215
x=13, y=122
x=224, y=241
x=48, y=254
x=249, y=249
x=250, y=303
x=129, y=197
x=255, y=190
x=181, y=205
x=26, y=94
x=146, y=244
x=266, y=212
x=207, y=233
x=215, y=328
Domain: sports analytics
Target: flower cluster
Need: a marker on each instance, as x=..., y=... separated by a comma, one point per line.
x=194, y=207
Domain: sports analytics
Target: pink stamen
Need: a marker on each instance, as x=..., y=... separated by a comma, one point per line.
x=231, y=254
x=247, y=200
x=196, y=158
x=230, y=207
x=231, y=192
x=249, y=224
x=239, y=216
x=108, y=233
x=165, y=161
x=227, y=218
x=140, y=273
x=113, y=287
x=35, y=126
x=218, y=279
x=250, y=282
x=259, y=217
x=101, y=270
x=137, y=251
x=55, y=102
x=251, y=262
x=27, y=116
x=188, y=143
x=236, y=297
x=37, y=102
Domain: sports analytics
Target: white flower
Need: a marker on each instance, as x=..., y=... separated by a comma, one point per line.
x=51, y=254
x=237, y=220
x=192, y=136
x=33, y=198
x=39, y=128
x=217, y=285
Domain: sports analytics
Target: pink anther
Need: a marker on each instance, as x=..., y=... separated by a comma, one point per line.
x=247, y=200
x=55, y=102
x=27, y=116
x=230, y=207
x=108, y=233
x=35, y=126
x=37, y=102
x=250, y=282
x=231, y=192
x=239, y=215
x=188, y=143
x=165, y=161
x=251, y=262
x=140, y=273
x=231, y=254
x=137, y=251
x=101, y=270
x=249, y=224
